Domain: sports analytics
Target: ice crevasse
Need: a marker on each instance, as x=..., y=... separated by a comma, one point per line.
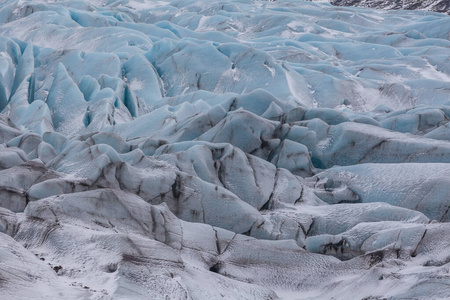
x=223, y=150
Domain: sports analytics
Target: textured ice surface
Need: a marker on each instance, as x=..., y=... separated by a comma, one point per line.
x=223, y=150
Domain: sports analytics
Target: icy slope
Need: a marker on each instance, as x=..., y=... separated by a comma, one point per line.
x=223, y=150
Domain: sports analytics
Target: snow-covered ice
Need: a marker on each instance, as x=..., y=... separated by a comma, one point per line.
x=223, y=149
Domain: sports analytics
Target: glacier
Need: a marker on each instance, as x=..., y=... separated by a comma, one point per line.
x=223, y=150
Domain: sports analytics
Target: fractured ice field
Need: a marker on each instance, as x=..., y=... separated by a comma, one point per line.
x=223, y=150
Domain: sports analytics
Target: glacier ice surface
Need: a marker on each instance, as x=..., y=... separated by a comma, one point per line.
x=223, y=149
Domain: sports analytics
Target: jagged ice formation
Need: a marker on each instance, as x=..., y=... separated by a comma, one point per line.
x=223, y=150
